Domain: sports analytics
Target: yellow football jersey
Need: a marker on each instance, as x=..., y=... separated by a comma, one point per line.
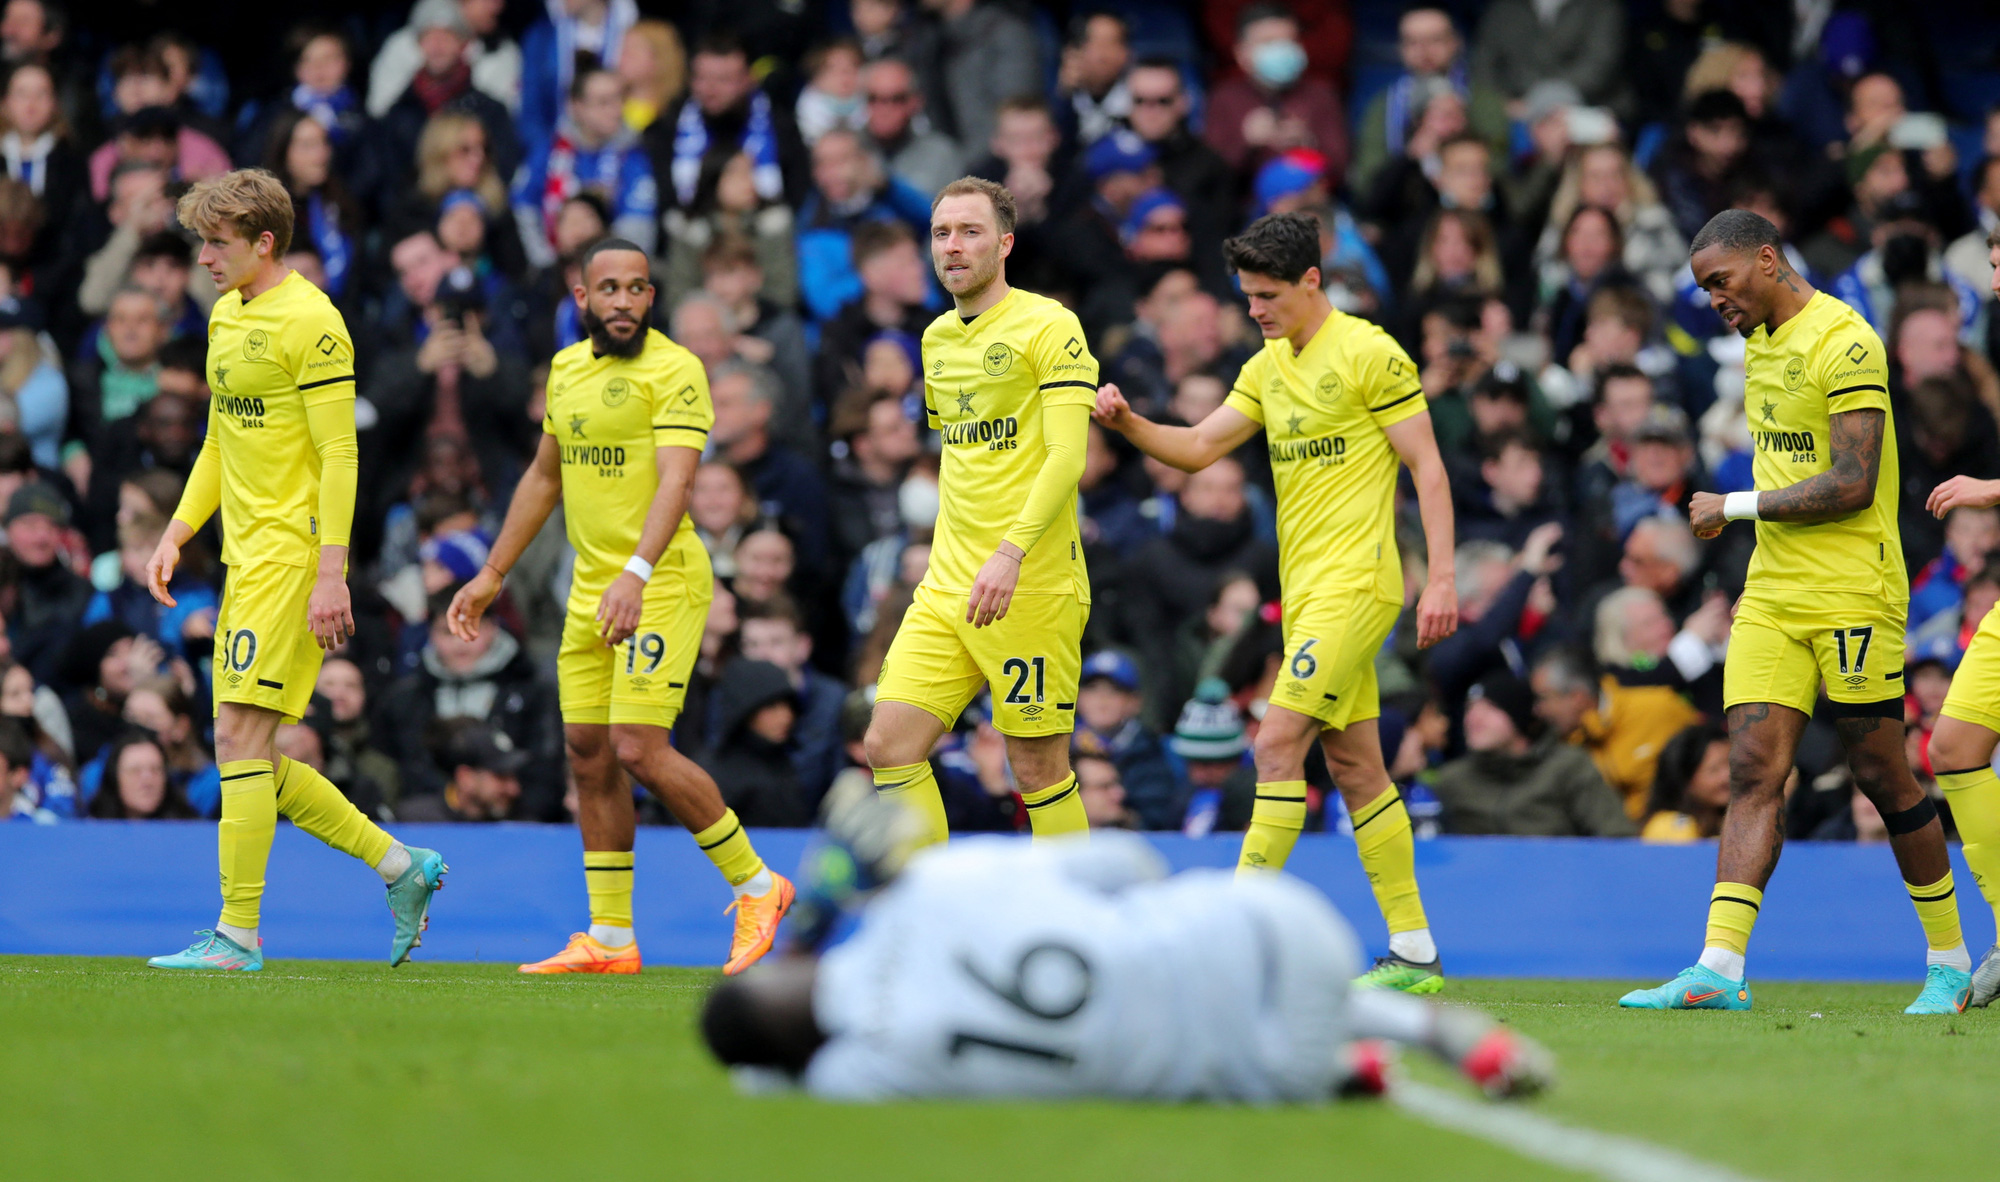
x=268, y=359
x=608, y=414
x=1821, y=362
x=1323, y=410
x=985, y=384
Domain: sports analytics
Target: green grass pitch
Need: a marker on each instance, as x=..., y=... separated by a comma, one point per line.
x=442, y=1071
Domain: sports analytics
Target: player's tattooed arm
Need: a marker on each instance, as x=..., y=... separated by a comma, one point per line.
x=1854, y=447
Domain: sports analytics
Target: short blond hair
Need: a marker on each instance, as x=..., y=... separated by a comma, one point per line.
x=251, y=201
x=1004, y=211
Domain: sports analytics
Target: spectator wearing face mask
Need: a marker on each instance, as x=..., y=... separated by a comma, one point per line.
x=1274, y=105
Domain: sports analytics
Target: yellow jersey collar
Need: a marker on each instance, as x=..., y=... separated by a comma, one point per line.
x=1786, y=327
x=966, y=327
x=1319, y=335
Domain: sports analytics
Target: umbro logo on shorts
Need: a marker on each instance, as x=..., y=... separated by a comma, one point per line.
x=1031, y=711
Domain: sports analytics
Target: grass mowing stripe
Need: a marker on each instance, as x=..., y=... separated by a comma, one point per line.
x=1618, y=1159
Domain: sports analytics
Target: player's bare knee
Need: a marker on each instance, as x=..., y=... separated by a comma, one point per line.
x=1958, y=746
x=585, y=743
x=1280, y=753
x=635, y=746
x=1038, y=762
x=882, y=748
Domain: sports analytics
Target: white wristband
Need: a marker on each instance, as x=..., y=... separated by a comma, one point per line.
x=1740, y=506
x=640, y=567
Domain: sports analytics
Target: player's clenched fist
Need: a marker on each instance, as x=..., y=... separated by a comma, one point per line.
x=470, y=604
x=1705, y=514
x=1963, y=492
x=1111, y=411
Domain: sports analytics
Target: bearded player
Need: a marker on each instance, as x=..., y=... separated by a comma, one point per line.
x=1008, y=382
x=1342, y=410
x=628, y=416
x=1969, y=725
x=281, y=463
x=1823, y=605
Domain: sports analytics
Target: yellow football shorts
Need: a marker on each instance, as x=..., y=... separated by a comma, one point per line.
x=1782, y=649
x=1975, y=685
x=1331, y=640
x=265, y=654
x=643, y=681
x=1032, y=659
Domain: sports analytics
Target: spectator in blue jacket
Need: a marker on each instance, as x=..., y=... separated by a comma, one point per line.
x=1108, y=724
x=593, y=149
x=588, y=31
x=850, y=189
x=788, y=485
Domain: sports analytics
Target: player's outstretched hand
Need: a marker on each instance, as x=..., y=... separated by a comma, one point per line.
x=618, y=611
x=329, y=612
x=470, y=604
x=160, y=569
x=1112, y=412
x=1705, y=514
x=1437, y=610
x=993, y=589
x=1963, y=492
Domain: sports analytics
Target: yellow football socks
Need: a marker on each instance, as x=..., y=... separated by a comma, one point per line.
x=243, y=839
x=607, y=875
x=1056, y=810
x=1974, y=797
x=727, y=846
x=915, y=787
x=1389, y=855
x=1732, y=912
x=1275, y=821
x=316, y=806
x=1937, y=910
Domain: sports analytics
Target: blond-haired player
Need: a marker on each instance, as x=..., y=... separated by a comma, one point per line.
x=280, y=461
x=1008, y=382
x=628, y=415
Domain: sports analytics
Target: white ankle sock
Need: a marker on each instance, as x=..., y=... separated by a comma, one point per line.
x=609, y=936
x=1415, y=946
x=757, y=884
x=1723, y=961
x=393, y=863
x=247, y=937
x=1957, y=958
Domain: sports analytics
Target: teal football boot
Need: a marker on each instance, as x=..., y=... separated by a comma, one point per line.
x=1946, y=991
x=213, y=951
x=410, y=900
x=1697, y=988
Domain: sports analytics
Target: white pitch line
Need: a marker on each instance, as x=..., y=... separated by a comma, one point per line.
x=1618, y=1159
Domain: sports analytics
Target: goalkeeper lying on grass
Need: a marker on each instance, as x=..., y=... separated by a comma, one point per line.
x=997, y=968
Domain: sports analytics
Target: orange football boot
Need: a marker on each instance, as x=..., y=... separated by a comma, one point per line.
x=585, y=955
x=757, y=919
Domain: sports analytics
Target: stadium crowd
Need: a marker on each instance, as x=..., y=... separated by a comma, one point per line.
x=1508, y=188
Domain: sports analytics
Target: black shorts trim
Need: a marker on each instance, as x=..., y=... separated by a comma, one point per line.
x=324, y=382
x=1896, y=676
x=1065, y=705
x=1856, y=390
x=1886, y=708
x=276, y=685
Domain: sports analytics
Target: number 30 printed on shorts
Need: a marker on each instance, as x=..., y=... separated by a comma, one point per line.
x=238, y=650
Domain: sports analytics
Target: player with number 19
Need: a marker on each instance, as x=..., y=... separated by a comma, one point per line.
x=628, y=416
